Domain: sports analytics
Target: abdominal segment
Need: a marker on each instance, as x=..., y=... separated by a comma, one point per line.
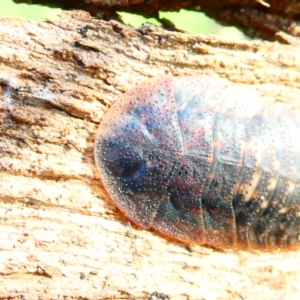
x=204, y=161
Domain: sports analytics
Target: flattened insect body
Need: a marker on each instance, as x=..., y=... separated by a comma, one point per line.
x=204, y=161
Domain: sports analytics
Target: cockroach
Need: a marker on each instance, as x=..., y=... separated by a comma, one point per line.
x=204, y=161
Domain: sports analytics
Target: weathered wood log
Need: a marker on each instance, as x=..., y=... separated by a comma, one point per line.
x=272, y=19
x=61, y=236
x=151, y=7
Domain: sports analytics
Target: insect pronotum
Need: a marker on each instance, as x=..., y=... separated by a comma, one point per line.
x=204, y=161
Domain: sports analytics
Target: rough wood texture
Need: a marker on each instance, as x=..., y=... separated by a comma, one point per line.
x=61, y=238
x=272, y=19
x=151, y=7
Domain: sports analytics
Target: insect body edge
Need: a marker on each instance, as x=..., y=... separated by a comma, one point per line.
x=204, y=161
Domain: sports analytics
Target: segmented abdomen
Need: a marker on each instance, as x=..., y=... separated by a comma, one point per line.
x=205, y=162
x=248, y=152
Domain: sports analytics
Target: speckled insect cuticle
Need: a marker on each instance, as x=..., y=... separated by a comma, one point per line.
x=204, y=161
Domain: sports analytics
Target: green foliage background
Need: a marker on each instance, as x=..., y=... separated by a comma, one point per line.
x=29, y=12
x=186, y=20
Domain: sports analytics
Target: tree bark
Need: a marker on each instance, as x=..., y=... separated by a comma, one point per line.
x=151, y=7
x=271, y=20
x=61, y=236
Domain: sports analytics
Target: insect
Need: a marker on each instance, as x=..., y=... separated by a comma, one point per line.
x=204, y=161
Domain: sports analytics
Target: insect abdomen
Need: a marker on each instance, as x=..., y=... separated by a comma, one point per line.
x=249, y=197
x=205, y=162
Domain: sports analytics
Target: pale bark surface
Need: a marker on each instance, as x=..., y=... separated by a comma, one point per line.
x=60, y=235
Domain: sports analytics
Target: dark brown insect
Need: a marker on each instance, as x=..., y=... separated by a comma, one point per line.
x=205, y=162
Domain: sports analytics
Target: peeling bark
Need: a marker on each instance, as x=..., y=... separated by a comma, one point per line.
x=61, y=237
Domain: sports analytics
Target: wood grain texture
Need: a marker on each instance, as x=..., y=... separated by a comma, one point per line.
x=60, y=236
x=272, y=20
